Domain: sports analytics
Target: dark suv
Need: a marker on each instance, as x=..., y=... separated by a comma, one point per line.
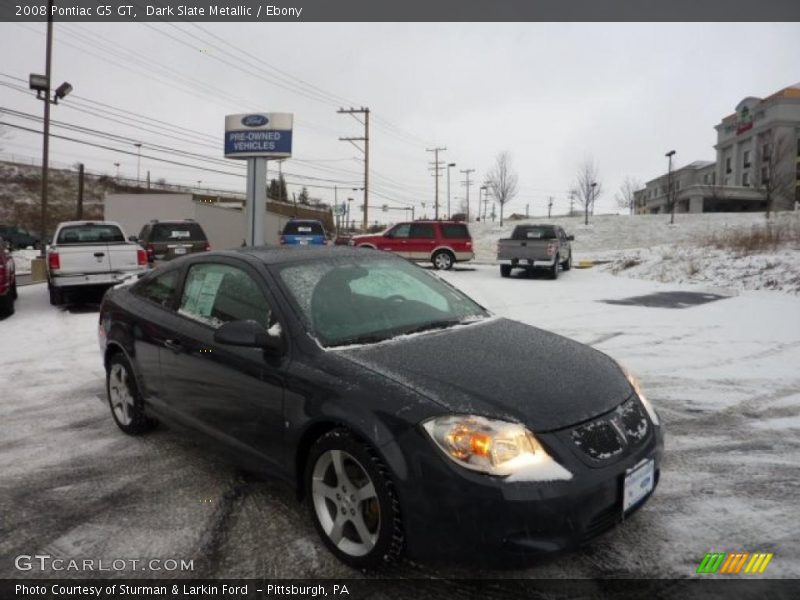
x=18, y=237
x=165, y=240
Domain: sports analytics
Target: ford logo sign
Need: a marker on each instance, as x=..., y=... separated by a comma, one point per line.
x=254, y=120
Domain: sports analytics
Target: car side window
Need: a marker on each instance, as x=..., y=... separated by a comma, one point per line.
x=401, y=231
x=215, y=294
x=422, y=230
x=159, y=289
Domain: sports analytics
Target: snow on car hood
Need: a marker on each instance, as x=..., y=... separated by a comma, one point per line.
x=503, y=369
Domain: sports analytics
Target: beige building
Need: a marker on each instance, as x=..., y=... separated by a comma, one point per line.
x=758, y=158
x=221, y=218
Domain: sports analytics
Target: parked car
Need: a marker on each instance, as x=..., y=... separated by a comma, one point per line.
x=165, y=240
x=443, y=243
x=535, y=247
x=407, y=416
x=18, y=237
x=303, y=232
x=8, y=279
x=90, y=254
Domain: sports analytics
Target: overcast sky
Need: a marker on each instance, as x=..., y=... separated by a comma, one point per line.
x=549, y=94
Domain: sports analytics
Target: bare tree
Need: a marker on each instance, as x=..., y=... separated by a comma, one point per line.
x=625, y=195
x=502, y=181
x=774, y=175
x=587, y=187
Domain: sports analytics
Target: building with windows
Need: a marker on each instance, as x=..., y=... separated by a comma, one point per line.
x=757, y=163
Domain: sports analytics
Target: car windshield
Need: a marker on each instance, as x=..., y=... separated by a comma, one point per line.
x=90, y=234
x=170, y=232
x=366, y=300
x=303, y=228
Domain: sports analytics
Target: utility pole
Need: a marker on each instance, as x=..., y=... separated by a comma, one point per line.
x=549, y=207
x=467, y=183
x=571, y=203
x=436, y=168
x=138, y=160
x=449, y=165
x=116, y=164
x=352, y=112
x=527, y=210
x=79, y=212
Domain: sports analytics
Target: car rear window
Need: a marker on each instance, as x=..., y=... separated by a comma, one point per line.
x=455, y=231
x=535, y=232
x=303, y=228
x=170, y=232
x=90, y=234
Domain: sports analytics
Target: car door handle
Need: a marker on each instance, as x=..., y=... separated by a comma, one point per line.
x=99, y=254
x=174, y=345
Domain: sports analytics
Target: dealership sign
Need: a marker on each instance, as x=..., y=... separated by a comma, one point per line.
x=253, y=135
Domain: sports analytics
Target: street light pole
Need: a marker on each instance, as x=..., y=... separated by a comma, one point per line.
x=670, y=198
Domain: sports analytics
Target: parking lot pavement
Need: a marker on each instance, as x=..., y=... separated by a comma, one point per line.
x=723, y=375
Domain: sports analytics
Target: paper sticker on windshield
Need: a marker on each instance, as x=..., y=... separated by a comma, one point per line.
x=304, y=229
x=180, y=234
x=201, y=293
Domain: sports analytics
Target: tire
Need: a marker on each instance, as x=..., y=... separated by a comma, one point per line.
x=56, y=295
x=14, y=290
x=567, y=264
x=443, y=260
x=7, y=304
x=553, y=271
x=124, y=399
x=361, y=532
x=505, y=270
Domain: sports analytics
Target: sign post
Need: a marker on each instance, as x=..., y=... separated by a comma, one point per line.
x=257, y=137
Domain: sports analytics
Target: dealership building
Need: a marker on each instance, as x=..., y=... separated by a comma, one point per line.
x=758, y=157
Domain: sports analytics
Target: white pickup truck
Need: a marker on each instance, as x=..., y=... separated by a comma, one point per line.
x=90, y=254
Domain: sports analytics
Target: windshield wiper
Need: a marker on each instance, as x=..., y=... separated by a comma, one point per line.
x=441, y=324
x=360, y=339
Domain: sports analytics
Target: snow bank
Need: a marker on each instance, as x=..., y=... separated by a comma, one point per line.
x=22, y=260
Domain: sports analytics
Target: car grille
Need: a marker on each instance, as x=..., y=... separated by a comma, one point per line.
x=610, y=435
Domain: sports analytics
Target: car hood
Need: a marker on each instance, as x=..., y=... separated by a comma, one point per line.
x=502, y=369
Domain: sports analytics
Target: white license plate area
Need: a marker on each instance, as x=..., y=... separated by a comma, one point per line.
x=639, y=483
x=180, y=250
x=303, y=242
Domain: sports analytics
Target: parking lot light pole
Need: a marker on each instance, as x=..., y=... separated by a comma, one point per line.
x=138, y=161
x=670, y=199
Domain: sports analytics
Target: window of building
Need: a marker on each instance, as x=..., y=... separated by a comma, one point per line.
x=728, y=168
x=765, y=152
x=764, y=175
x=705, y=178
x=677, y=185
x=746, y=158
x=746, y=179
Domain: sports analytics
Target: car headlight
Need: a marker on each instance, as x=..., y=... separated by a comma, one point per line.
x=493, y=447
x=651, y=411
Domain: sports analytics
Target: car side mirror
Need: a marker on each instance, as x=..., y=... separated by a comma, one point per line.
x=250, y=334
x=133, y=238
x=571, y=238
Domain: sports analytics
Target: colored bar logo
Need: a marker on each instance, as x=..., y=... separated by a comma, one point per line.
x=734, y=563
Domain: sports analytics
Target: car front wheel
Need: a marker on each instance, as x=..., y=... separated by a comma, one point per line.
x=567, y=264
x=353, y=502
x=554, y=269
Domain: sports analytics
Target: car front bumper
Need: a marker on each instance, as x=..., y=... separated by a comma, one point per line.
x=451, y=513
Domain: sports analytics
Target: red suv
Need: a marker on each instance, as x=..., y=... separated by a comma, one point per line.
x=441, y=242
x=8, y=280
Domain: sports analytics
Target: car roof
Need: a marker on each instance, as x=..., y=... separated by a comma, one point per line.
x=275, y=255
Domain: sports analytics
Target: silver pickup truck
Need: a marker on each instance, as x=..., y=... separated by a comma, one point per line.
x=90, y=254
x=535, y=247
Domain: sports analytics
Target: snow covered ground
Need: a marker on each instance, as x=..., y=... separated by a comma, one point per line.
x=723, y=375
x=22, y=260
x=649, y=247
